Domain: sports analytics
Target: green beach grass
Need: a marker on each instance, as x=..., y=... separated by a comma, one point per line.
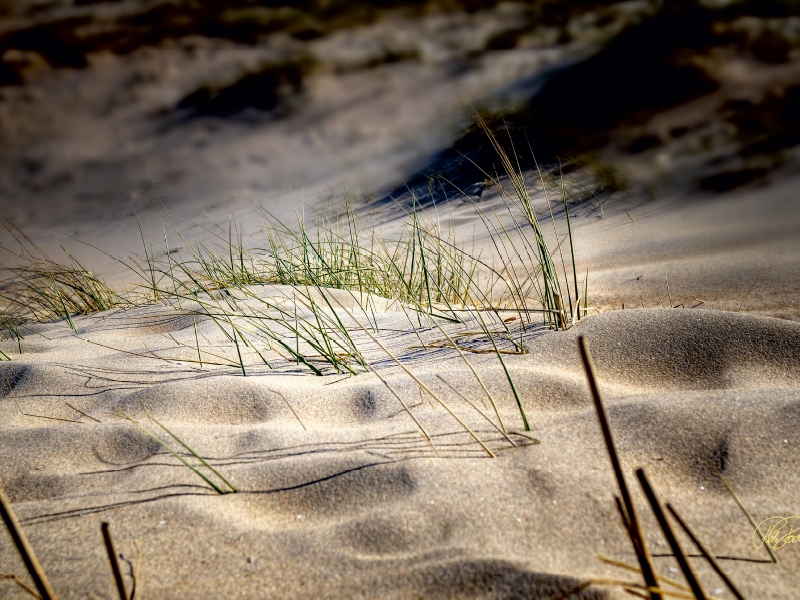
x=432, y=275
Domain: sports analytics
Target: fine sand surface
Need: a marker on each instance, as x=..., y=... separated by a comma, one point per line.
x=694, y=300
x=339, y=494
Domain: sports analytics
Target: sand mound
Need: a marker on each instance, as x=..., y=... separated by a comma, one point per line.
x=700, y=350
x=340, y=495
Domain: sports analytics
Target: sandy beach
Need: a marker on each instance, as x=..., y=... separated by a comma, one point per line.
x=339, y=493
x=264, y=404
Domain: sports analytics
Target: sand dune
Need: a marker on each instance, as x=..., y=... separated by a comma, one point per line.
x=340, y=496
x=680, y=155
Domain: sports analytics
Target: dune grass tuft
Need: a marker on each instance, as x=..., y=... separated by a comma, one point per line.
x=43, y=289
x=424, y=267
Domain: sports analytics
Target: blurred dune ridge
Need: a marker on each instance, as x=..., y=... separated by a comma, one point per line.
x=132, y=79
x=99, y=98
x=109, y=91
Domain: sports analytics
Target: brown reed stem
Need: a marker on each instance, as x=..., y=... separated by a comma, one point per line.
x=705, y=552
x=25, y=549
x=691, y=578
x=21, y=584
x=661, y=578
x=112, y=558
x=629, y=514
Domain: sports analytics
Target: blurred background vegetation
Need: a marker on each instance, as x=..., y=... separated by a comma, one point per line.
x=701, y=94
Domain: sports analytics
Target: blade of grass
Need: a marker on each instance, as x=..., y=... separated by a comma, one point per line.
x=417, y=380
x=193, y=453
x=465, y=399
x=24, y=548
x=745, y=511
x=194, y=469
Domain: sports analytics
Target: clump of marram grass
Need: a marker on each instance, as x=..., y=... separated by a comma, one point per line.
x=531, y=252
x=424, y=268
x=42, y=289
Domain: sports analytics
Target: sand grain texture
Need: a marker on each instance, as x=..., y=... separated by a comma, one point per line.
x=340, y=495
x=351, y=503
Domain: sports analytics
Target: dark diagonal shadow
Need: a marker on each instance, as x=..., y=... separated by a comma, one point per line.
x=411, y=444
x=299, y=486
x=737, y=558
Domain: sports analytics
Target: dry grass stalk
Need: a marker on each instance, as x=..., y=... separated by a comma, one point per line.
x=23, y=413
x=291, y=408
x=683, y=563
x=112, y=559
x=25, y=549
x=627, y=567
x=217, y=488
x=628, y=511
x=20, y=584
x=705, y=552
x=745, y=511
x=78, y=410
x=635, y=589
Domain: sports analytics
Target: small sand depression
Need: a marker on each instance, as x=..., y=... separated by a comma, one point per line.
x=341, y=496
